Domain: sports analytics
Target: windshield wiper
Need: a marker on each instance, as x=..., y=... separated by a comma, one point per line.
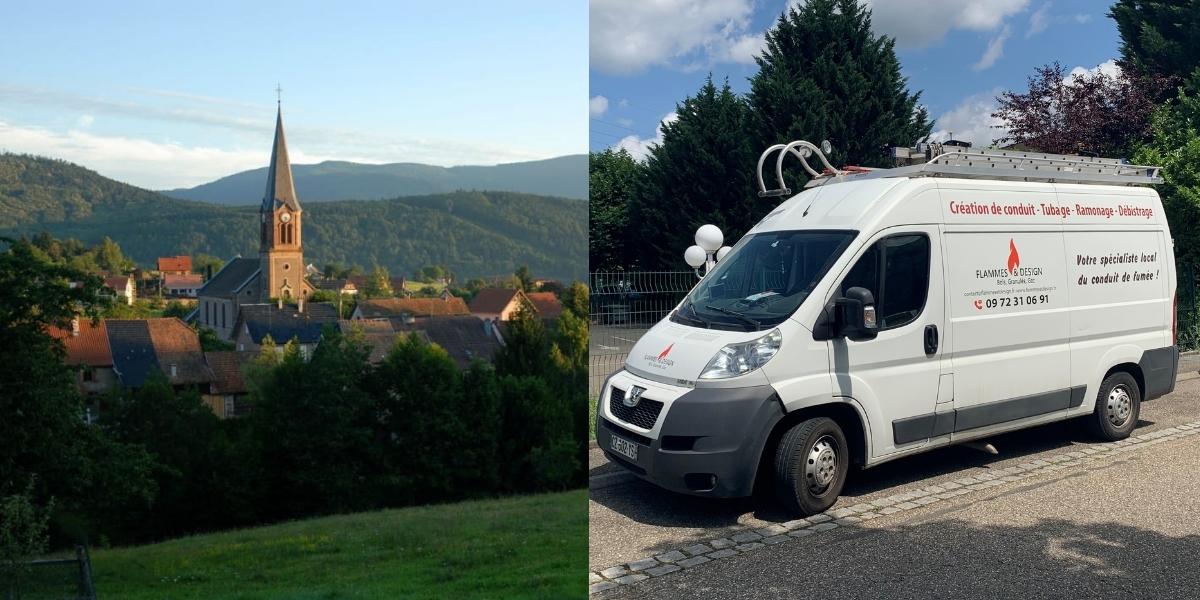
x=696, y=317
x=734, y=313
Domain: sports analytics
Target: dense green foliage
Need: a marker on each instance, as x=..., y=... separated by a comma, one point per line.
x=340, y=180
x=524, y=547
x=1158, y=38
x=612, y=175
x=1175, y=146
x=702, y=173
x=825, y=76
x=470, y=233
x=43, y=438
x=822, y=76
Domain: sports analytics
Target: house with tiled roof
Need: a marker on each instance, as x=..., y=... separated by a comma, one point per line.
x=121, y=287
x=497, y=304
x=142, y=346
x=182, y=286
x=464, y=337
x=304, y=323
x=377, y=335
x=338, y=286
x=175, y=265
x=384, y=308
x=546, y=304
x=86, y=345
x=226, y=394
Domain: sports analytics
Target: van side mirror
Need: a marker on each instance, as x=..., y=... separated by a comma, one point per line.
x=855, y=315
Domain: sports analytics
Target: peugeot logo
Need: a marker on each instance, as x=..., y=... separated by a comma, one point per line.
x=633, y=396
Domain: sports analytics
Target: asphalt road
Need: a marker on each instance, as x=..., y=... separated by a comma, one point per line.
x=1130, y=529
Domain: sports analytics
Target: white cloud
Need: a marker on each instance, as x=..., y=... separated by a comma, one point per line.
x=993, y=52
x=1108, y=67
x=917, y=24
x=971, y=120
x=640, y=147
x=628, y=36
x=597, y=106
x=85, y=121
x=1081, y=18
x=1039, y=21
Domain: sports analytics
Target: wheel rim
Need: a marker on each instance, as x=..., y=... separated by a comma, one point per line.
x=1120, y=406
x=820, y=467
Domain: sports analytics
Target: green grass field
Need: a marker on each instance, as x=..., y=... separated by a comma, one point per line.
x=523, y=547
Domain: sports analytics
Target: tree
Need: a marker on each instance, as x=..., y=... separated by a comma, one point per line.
x=526, y=346
x=702, y=172
x=1158, y=39
x=824, y=75
x=1081, y=113
x=202, y=262
x=1175, y=146
x=24, y=534
x=612, y=176
x=525, y=278
x=111, y=259
x=379, y=283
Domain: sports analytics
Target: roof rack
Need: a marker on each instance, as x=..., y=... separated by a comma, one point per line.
x=944, y=160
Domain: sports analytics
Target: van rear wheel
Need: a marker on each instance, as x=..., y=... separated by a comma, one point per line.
x=811, y=463
x=1118, y=405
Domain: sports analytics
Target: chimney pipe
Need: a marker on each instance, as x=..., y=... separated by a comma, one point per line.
x=209, y=271
x=300, y=304
x=280, y=300
x=74, y=326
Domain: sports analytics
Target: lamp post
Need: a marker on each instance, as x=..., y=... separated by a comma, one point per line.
x=707, y=251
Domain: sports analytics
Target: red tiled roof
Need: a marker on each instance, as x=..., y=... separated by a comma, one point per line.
x=492, y=300
x=417, y=307
x=175, y=263
x=90, y=347
x=546, y=303
x=191, y=280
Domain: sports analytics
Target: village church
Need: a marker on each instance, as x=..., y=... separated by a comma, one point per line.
x=277, y=274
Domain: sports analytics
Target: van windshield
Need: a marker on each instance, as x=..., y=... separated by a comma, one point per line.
x=763, y=280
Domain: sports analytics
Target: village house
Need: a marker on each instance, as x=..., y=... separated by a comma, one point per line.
x=142, y=346
x=443, y=305
x=226, y=394
x=497, y=304
x=122, y=288
x=174, y=265
x=546, y=304
x=338, y=286
x=86, y=345
x=182, y=286
x=303, y=323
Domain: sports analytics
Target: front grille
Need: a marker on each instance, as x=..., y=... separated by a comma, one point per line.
x=643, y=415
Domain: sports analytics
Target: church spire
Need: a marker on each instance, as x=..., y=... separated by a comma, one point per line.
x=279, y=175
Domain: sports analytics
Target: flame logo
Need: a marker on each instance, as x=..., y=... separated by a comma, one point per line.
x=666, y=352
x=1014, y=259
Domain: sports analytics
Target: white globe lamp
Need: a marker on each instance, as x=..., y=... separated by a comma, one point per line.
x=722, y=252
x=709, y=238
x=695, y=256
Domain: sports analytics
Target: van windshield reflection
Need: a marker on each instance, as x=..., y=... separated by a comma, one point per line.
x=763, y=280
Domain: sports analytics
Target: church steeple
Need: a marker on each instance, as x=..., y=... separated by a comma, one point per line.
x=280, y=188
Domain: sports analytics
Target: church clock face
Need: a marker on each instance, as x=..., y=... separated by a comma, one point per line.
x=285, y=217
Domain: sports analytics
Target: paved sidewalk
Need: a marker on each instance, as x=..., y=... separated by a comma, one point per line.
x=1122, y=523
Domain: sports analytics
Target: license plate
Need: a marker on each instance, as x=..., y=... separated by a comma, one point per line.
x=625, y=448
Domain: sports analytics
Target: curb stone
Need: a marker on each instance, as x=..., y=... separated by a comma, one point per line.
x=750, y=540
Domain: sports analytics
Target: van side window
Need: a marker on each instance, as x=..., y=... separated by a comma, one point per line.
x=896, y=271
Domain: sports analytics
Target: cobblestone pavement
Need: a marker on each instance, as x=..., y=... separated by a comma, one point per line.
x=642, y=536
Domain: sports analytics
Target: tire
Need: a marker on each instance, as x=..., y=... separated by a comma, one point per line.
x=811, y=463
x=1118, y=404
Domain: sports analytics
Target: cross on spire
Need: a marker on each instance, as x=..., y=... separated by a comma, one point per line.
x=278, y=94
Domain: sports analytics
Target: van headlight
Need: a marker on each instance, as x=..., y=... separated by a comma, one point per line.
x=739, y=359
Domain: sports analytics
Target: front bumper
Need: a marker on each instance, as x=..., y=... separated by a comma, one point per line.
x=706, y=442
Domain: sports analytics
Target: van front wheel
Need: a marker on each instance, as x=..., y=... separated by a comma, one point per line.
x=1118, y=405
x=811, y=462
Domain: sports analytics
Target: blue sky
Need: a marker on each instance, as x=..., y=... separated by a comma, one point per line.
x=646, y=55
x=169, y=94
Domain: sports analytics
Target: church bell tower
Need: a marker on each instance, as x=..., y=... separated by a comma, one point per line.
x=280, y=251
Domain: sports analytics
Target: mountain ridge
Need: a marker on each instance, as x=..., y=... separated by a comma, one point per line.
x=333, y=180
x=471, y=233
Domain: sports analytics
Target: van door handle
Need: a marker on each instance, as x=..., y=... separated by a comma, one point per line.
x=931, y=340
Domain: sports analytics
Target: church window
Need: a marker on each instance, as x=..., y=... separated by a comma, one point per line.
x=222, y=315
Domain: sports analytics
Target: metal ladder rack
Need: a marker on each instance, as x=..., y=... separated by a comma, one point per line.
x=938, y=160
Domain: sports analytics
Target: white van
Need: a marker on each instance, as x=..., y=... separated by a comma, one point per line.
x=883, y=313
